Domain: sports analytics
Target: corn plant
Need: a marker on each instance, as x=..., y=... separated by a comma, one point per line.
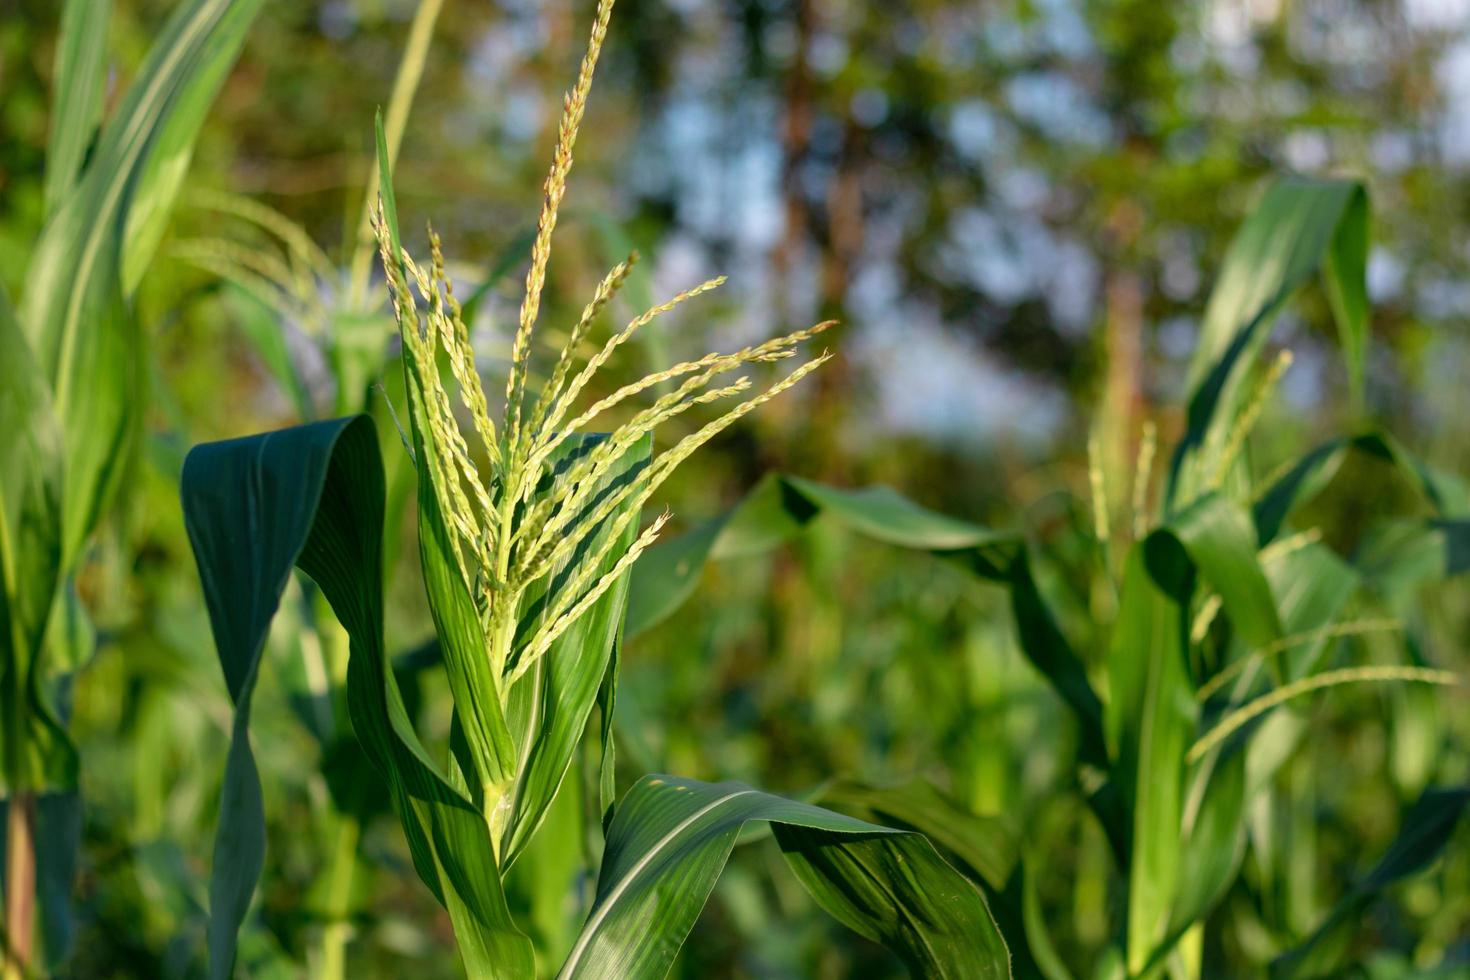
x=1225, y=616
x=69, y=354
x=527, y=528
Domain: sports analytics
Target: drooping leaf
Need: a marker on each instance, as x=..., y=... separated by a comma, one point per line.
x=670, y=839
x=312, y=496
x=988, y=845
x=984, y=848
x=1448, y=494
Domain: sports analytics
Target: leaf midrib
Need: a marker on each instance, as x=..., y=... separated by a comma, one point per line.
x=605, y=906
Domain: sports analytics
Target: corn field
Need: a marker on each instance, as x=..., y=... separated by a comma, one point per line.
x=409, y=590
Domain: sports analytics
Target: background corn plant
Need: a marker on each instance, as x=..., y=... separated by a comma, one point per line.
x=1221, y=616
x=71, y=393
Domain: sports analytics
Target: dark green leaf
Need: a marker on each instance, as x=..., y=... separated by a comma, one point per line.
x=670, y=839
x=312, y=496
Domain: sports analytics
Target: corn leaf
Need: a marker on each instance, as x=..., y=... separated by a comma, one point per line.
x=1310, y=585
x=1299, y=228
x=986, y=846
x=671, y=837
x=312, y=496
x=34, y=750
x=76, y=106
x=1152, y=712
x=1445, y=492
x=74, y=311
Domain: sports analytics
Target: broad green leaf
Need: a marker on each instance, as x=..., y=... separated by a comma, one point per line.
x=984, y=848
x=1300, y=227
x=1426, y=828
x=34, y=750
x=546, y=886
x=670, y=839
x=1151, y=719
x=312, y=496
x=74, y=311
x=76, y=105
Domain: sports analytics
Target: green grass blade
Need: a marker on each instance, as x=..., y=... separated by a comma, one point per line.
x=76, y=106
x=670, y=839
x=312, y=496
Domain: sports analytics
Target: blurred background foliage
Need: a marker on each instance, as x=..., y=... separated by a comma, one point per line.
x=1015, y=208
